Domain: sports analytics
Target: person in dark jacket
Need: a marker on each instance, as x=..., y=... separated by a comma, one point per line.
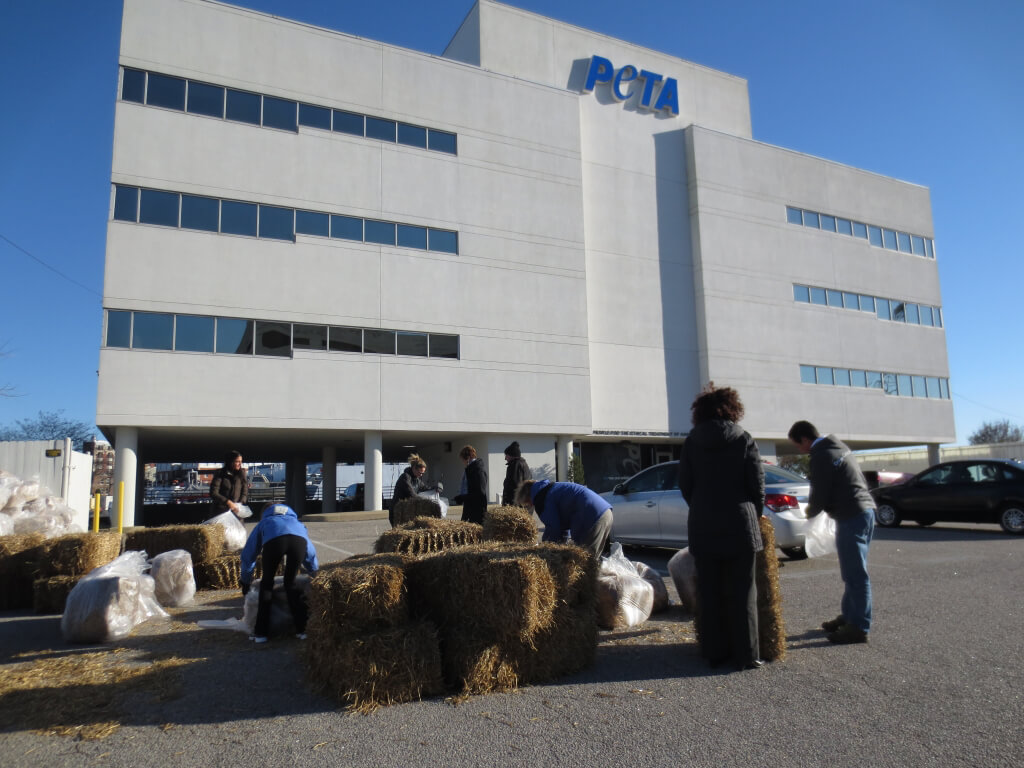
x=838, y=487
x=518, y=471
x=473, y=493
x=408, y=485
x=722, y=480
x=279, y=536
x=569, y=508
x=229, y=487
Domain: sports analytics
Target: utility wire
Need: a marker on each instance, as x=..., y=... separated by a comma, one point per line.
x=52, y=269
x=982, y=405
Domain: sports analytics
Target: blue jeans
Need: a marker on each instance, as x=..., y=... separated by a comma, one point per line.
x=853, y=535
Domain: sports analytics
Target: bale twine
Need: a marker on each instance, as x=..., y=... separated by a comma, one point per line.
x=512, y=524
x=204, y=542
x=50, y=594
x=19, y=558
x=362, y=593
x=425, y=535
x=770, y=625
x=75, y=554
x=409, y=509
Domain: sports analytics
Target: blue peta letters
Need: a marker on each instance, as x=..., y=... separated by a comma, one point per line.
x=629, y=81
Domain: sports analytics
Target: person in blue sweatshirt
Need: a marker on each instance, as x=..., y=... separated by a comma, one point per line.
x=278, y=536
x=568, y=508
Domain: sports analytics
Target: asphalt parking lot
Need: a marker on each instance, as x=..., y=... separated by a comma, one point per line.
x=940, y=683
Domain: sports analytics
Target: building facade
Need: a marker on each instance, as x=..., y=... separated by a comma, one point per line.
x=325, y=248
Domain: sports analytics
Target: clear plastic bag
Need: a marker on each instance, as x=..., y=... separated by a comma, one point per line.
x=624, y=599
x=437, y=498
x=174, y=578
x=234, y=531
x=280, y=613
x=683, y=571
x=648, y=574
x=244, y=512
x=820, y=536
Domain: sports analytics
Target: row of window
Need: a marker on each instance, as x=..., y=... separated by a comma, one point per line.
x=901, y=384
x=237, y=336
x=878, y=236
x=886, y=309
x=271, y=112
x=234, y=217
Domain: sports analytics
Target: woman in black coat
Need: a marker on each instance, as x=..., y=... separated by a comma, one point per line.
x=473, y=494
x=229, y=487
x=408, y=484
x=722, y=479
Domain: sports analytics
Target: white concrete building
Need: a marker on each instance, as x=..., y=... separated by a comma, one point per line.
x=325, y=248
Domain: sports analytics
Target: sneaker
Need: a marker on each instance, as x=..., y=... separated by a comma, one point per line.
x=848, y=634
x=833, y=624
x=301, y=635
x=259, y=640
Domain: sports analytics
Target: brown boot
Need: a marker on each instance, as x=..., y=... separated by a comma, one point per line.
x=833, y=624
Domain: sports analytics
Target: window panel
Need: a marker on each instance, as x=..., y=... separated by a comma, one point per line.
x=835, y=298
x=205, y=99
x=348, y=122
x=824, y=375
x=238, y=218
x=903, y=242
x=243, y=107
x=794, y=215
x=345, y=339
x=937, y=316
x=929, y=248
x=412, y=135
x=913, y=316
x=918, y=386
x=889, y=383
x=926, y=316
x=874, y=379
x=157, y=207
x=851, y=300
x=444, y=345
x=378, y=128
x=412, y=237
x=133, y=85
x=164, y=91
x=277, y=223
x=807, y=374
x=889, y=239
x=119, y=328
x=347, y=228
x=867, y=303
x=312, y=223
x=201, y=213
x=944, y=389
x=842, y=376
x=378, y=342
x=414, y=344
x=818, y=296
x=381, y=232
x=811, y=219
x=875, y=236
x=151, y=330
x=844, y=226
x=860, y=230
x=899, y=311
x=193, y=333
x=903, y=385
x=444, y=241
x=309, y=336
x=858, y=379
x=442, y=141
x=280, y=113
x=315, y=117
x=884, y=309
x=801, y=293
x=126, y=203
x=828, y=223
x=234, y=336
x=274, y=339
x=932, y=385
x=917, y=245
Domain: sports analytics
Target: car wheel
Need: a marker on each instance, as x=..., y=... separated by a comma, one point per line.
x=1012, y=519
x=886, y=516
x=794, y=553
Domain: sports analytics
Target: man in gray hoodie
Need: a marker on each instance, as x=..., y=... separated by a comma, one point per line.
x=838, y=487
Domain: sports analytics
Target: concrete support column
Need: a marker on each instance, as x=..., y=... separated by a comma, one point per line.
x=126, y=466
x=373, y=464
x=934, y=454
x=329, y=458
x=563, y=453
x=295, y=484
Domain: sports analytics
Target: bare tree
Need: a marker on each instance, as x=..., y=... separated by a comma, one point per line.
x=49, y=425
x=996, y=432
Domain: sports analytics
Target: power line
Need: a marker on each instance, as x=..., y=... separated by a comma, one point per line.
x=52, y=269
x=982, y=405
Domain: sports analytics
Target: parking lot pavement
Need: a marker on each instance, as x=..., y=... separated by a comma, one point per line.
x=939, y=684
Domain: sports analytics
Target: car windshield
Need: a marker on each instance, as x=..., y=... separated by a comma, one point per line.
x=780, y=476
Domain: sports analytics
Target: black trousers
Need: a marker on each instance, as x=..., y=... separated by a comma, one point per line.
x=291, y=549
x=728, y=607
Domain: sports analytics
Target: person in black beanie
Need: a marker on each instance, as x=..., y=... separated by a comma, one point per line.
x=518, y=471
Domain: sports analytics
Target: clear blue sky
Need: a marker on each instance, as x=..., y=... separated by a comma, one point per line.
x=928, y=91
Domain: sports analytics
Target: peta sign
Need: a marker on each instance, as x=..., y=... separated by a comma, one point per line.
x=654, y=92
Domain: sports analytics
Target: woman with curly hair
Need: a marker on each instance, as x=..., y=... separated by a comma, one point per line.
x=722, y=479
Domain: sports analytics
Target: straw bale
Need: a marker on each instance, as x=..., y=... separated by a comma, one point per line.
x=75, y=554
x=362, y=593
x=50, y=594
x=770, y=625
x=513, y=524
x=366, y=670
x=19, y=557
x=409, y=509
x=204, y=542
x=224, y=572
x=427, y=534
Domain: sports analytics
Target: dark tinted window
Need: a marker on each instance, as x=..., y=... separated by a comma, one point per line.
x=378, y=342
x=133, y=85
x=444, y=241
x=238, y=218
x=777, y=476
x=346, y=228
x=309, y=336
x=158, y=208
x=311, y=223
x=315, y=117
x=273, y=339
x=382, y=232
x=119, y=329
x=277, y=223
x=193, y=334
x=200, y=213
x=443, y=345
x=126, y=203
x=234, y=336
x=243, y=107
x=164, y=91
x=412, y=237
x=346, y=339
x=899, y=311
x=442, y=141
x=376, y=128
x=412, y=344
x=348, y=122
x=152, y=331
x=279, y=113
x=205, y=99
x=412, y=135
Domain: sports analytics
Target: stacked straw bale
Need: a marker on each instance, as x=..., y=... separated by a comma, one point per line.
x=204, y=542
x=770, y=626
x=19, y=558
x=409, y=509
x=49, y=595
x=66, y=559
x=225, y=572
x=428, y=534
x=512, y=524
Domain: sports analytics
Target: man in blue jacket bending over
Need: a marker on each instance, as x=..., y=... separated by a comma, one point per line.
x=568, y=508
x=279, y=536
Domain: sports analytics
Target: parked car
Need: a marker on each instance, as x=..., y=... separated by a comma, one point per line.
x=351, y=498
x=970, y=491
x=649, y=510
